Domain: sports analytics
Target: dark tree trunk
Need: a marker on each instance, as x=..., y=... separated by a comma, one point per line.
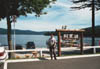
x=8, y=27
x=93, y=23
x=8, y=19
x=9, y=34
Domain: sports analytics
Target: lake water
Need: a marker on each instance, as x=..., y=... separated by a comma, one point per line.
x=39, y=40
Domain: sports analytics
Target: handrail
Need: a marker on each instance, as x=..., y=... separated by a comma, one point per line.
x=91, y=46
x=46, y=49
x=94, y=48
x=28, y=50
x=21, y=50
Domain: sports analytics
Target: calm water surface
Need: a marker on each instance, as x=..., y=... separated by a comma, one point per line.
x=39, y=40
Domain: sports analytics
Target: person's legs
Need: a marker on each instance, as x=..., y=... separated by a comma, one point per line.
x=54, y=52
x=50, y=53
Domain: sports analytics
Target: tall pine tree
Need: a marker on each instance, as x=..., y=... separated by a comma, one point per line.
x=94, y=5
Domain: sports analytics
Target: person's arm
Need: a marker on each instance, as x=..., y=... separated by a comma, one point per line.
x=55, y=41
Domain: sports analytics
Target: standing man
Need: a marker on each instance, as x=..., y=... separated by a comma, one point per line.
x=52, y=46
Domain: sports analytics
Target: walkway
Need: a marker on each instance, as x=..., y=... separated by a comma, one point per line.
x=1, y=65
x=76, y=63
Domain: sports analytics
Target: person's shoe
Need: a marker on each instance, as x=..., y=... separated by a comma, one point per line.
x=55, y=58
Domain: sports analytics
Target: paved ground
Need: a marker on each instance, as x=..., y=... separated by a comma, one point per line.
x=1, y=65
x=77, y=63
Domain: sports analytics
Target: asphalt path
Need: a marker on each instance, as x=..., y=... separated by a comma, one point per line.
x=76, y=63
x=1, y=65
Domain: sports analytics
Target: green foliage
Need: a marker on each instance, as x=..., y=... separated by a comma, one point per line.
x=22, y=7
x=10, y=8
x=29, y=6
x=86, y=4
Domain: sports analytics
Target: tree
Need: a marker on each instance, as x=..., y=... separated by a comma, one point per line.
x=9, y=8
x=94, y=5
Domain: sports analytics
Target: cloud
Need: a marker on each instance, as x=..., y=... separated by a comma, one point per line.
x=62, y=4
x=59, y=14
x=3, y=23
x=36, y=25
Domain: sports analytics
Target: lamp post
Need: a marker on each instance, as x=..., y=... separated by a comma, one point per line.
x=14, y=37
x=93, y=22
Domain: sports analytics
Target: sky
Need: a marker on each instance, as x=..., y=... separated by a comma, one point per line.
x=58, y=15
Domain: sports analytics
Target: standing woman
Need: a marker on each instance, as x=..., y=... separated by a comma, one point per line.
x=52, y=46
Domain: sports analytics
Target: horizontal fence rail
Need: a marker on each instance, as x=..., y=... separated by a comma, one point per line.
x=40, y=50
x=94, y=48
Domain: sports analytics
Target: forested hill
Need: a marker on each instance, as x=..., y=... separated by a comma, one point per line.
x=25, y=32
x=88, y=31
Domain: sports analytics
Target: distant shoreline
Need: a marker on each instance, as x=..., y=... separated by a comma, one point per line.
x=23, y=34
x=49, y=35
x=87, y=33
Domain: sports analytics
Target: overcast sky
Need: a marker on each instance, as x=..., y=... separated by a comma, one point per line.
x=58, y=15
